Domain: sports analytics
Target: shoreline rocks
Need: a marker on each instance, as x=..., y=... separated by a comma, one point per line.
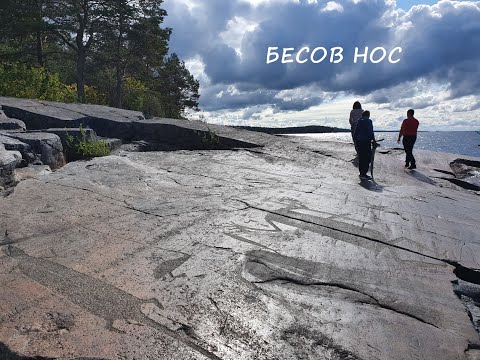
x=277, y=251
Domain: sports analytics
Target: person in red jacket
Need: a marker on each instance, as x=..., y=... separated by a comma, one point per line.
x=409, y=132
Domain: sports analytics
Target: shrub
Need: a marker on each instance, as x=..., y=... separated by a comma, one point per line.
x=22, y=81
x=210, y=139
x=84, y=148
x=134, y=92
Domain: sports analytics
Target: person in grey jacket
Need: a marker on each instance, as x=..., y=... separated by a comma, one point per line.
x=355, y=115
x=363, y=138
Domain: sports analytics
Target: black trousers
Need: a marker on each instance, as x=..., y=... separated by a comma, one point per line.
x=364, y=156
x=408, y=143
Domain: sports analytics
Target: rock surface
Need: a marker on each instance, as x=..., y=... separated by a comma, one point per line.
x=9, y=160
x=10, y=124
x=467, y=170
x=32, y=171
x=125, y=125
x=47, y=146
x=76, y=133
x=49, y=124
x=276, y=252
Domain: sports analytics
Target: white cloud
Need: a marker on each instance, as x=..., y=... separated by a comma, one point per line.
x=333, y=6
x=225, y=44
x=236, y=30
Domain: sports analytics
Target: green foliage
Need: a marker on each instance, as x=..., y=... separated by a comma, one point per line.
x=23, y=81
x=92, y=95
x=19, y=80
x=178, y=89
x=114, y=50
x=84, y=148
x=134, y=93
x=210, y=139
x=153, y=105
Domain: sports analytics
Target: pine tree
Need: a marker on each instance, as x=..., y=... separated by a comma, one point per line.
x=77, y=24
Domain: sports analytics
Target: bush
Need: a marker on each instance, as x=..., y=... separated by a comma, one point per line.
x=210, y=139
x=22, y=81
x=134, y=92
x=84, y=148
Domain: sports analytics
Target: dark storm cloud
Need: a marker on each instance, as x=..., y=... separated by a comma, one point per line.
x=441, y=43
x=233, y=98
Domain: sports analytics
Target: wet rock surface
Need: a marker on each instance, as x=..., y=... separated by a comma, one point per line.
x=277, y=252
x=467, y=173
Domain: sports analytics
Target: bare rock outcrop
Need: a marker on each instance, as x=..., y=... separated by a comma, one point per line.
x=10, y=124
x=9, y=160
x=46, y=146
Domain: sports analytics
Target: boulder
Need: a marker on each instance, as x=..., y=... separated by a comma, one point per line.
x=8, y=162
x=16, y=145
x=463, y=168
x=467, y=173
x=47, y=146
x=112, y=143
x=10, y=124
x=11, y=143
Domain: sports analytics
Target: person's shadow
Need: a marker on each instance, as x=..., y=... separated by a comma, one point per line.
x=421, y=177
x=355, y=161
x=371, y=185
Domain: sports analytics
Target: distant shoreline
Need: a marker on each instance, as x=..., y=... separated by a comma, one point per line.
x=318, y=129
x=311, y=129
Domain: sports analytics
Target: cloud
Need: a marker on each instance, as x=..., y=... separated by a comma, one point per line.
x=333, y=6
x=228, y=40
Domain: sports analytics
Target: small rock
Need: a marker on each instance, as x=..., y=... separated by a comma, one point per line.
x=32, y=171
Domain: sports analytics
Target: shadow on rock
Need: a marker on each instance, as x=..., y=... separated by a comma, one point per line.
x=355, y=161
x=420, y=177
x=371, y=185
x=7, y=354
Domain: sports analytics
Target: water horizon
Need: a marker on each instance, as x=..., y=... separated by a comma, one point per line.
x=465, y=143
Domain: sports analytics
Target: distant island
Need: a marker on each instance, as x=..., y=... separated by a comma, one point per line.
x=311, y=129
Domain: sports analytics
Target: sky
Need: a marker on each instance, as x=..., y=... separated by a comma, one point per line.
x=224, y=44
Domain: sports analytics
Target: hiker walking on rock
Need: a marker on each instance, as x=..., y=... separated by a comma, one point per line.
x=363, y=138
x=409, y=132
x=355, y=115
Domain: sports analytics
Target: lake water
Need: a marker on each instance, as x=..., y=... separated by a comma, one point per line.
x=455, y=142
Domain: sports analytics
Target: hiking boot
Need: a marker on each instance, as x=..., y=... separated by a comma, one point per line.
x=412, y=167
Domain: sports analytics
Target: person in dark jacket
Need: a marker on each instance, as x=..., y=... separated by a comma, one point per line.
x=409, y=132
x=355, y=115
x=364, y=137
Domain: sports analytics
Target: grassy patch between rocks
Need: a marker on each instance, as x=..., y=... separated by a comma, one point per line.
x=84, y=148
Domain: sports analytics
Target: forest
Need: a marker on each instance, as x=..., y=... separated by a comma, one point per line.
x=111, y=52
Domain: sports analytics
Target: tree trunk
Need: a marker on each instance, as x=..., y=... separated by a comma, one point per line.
x=81, y=59
x=40, y=59
x=118, y=87
x=118, y=64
